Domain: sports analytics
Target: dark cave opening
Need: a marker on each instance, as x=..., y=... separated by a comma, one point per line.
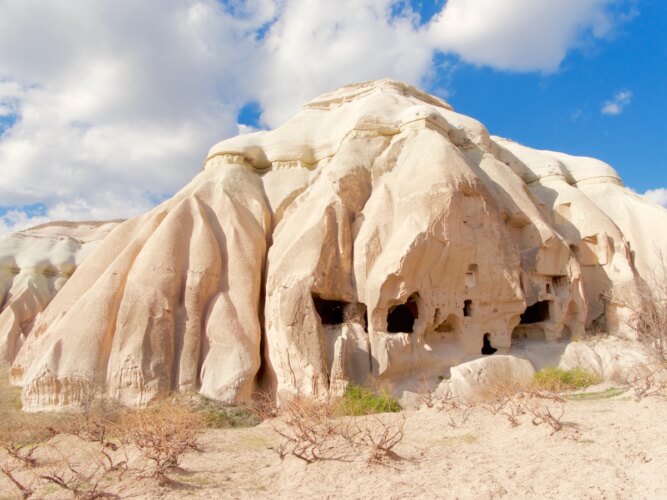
x=467, y=308
x=401, y=318
x=536, y=313
x=487, y=348
x=330, y=311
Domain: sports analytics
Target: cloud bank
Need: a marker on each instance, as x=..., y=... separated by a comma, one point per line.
x=110, y=105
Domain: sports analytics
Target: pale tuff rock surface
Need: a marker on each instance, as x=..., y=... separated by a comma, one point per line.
x=376, y=237
x=481, y=379
x=34, y=266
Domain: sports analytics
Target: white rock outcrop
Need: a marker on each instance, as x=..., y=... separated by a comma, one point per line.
x=613, y=359
x=376, y=237
x=34, y=265
x=483, y=379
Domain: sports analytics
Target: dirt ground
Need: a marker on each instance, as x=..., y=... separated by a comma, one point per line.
x=609, y=447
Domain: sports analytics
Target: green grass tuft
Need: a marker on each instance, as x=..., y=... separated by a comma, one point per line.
x=609, y=393
x=219, y=416
x=357, y=401
x=558, y=380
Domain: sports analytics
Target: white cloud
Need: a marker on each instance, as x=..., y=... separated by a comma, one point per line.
x=319, y=46
x=15, y=220
x=110, y=95
x=658, y=196
x=522, y=35
x=617, y=104
x=116, y=103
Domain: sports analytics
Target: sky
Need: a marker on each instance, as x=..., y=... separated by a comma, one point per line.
x=108, y=107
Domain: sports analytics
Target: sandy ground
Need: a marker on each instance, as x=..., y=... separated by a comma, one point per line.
x=609, y=448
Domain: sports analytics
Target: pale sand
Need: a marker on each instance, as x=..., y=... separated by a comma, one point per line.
x=618, y=449
x=611, y=448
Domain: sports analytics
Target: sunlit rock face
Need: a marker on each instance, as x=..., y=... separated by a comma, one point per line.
x=34, y=265
x=376, y=237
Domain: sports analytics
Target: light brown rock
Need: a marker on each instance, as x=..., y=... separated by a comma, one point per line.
x=378, y=237
x=486, y=378
x=34, y=265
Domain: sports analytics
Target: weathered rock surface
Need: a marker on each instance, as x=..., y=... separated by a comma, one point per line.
x=34, y=265
x=376, y=237
x=613, y=359
x=484, y=378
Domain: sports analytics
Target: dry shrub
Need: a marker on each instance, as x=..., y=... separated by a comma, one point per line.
x=86, y=477
x=82, y=468
x=649, y=310
x=88, y=453
x=651, y=383
x=507, y=401
x=457, y=409
x=309, y=430
x=375, y=434
x=544, y=414
x=312, y=431
x=545, y=408
x=649, y=322
x=26, y=490
x=162, y=435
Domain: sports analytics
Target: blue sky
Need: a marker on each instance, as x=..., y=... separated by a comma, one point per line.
x=562, y=110
x=109, y=107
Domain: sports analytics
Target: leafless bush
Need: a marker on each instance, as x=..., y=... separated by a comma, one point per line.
x=82, y=477
x=508, y=402
x=458, y=410
x=26, y=490
x=85, y=480
x=545, y=407
x=649, y=310
x=311, y=431
x=376, y=434
x=162, y=436
x=92, y=450
x=545, y=414
x=649, y=384
x=20, y=452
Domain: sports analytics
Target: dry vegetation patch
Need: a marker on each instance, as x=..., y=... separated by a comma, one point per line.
x=359, y=424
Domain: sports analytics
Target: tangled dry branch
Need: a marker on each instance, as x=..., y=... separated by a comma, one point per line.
x=311, y=431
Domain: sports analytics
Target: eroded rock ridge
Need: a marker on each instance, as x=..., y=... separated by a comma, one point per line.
x=376, y=237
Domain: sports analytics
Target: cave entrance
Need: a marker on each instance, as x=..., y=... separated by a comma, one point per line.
x=451, y=324
x=401, y=318
x=329, y=311
x=536, y=313
x=487, y=348
x=467, y=308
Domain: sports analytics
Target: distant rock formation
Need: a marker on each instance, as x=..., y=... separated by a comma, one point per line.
x=376, y=237
x=34, y=266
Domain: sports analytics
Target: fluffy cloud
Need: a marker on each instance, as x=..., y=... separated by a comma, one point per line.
x=110, y=105
x=116, y=98
x=319, y=46
x=658, y=196
x=616, y=105
x=519, y=34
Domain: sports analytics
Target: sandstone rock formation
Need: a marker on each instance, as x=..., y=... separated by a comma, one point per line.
x=34, y=266
x=376, y=237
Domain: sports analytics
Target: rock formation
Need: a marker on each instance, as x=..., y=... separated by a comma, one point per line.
x=34, y=266
x=376, y=237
